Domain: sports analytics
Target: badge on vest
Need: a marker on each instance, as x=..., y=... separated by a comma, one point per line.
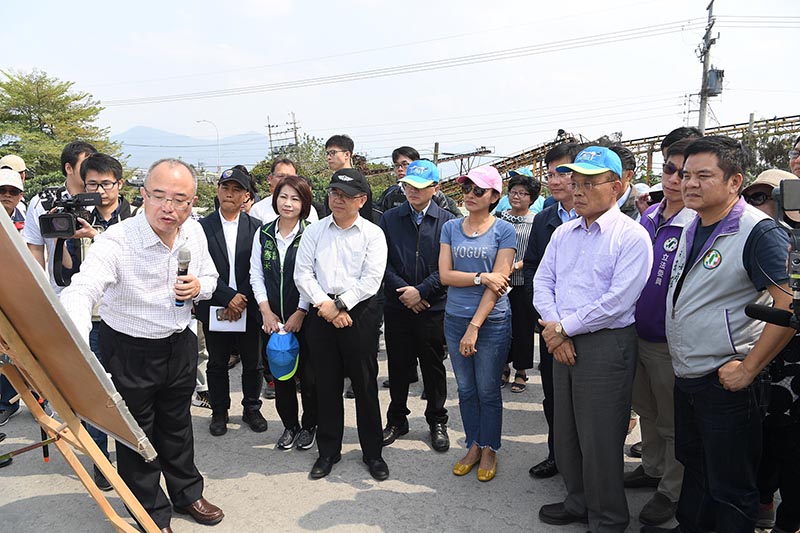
x=671, y=244
x=712, y=259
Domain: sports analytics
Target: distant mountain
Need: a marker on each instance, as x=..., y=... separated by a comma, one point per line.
x=145, y=145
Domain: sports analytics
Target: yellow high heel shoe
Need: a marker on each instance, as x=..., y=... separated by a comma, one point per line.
x=488, y=475
x=460, y=469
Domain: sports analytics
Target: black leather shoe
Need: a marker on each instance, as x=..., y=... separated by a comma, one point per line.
x=439, y=439
x=391, y=433
x=166, y=530
x=101, y=481
x=378, y=468
x=557, y=515
x=546, y=468
x=637, y=479
x=219, y=423
x=386, y=384
x=203, y=512
x=323, y=466
x=254, y=419
x=636, y=450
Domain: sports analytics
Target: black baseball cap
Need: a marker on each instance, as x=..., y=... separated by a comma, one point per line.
x=350, y=181
x=234, y=174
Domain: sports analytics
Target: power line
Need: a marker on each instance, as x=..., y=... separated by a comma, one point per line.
x=511, y=53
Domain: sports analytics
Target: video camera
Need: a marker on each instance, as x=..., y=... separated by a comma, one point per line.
x=63, y=223
x=787, y=198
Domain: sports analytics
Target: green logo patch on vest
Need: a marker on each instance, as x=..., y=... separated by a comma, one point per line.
x=671, y=244
x=712, y=259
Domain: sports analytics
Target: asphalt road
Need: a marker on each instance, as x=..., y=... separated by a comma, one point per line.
x=261, y=488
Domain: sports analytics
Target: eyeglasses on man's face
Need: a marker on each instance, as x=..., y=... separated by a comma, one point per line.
x=160, y=199
x=92, y=186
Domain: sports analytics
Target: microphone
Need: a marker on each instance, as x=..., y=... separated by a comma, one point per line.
x=779, y=317
x=184, y=258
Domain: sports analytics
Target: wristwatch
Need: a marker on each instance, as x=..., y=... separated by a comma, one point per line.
x=560, y=331
x=339, y=304
x=477, y=279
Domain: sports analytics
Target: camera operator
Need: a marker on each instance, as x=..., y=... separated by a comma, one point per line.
x=780, y=464
x=71, y=158
x=730, y=256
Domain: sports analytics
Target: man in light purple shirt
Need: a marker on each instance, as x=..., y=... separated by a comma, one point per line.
x=586, y=288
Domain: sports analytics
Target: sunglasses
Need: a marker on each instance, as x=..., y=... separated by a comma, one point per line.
x=669, y=168
x=474, y=189
x=11, y=191
x=756, y=199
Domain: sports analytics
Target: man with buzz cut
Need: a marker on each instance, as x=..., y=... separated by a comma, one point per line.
x=586, y=287
x=415, y=298
x=730, y=256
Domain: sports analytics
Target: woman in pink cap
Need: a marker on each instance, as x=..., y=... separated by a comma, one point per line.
x=477, y=254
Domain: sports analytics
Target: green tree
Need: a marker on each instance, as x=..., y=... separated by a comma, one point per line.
x=40, y=114
x=770, y=150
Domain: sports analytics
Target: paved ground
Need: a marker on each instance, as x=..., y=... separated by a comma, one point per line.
x=260, y=488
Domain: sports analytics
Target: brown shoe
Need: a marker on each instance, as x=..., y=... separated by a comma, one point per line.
x=166, y=530
x=203, y=512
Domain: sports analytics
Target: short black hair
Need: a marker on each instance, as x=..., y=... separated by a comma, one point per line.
x=531, y=185
x=102, y=164
x=733, y=157
x=72, y=152
x=679, y=147
x=561, y=151
x=405, y=151
x=625, y=156
x=684, y=132
x=341, y=141
x=281, y=161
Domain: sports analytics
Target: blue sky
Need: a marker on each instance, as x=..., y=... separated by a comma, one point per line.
x=639, y=87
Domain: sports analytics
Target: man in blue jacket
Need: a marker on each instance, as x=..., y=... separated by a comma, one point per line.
x=415, y=298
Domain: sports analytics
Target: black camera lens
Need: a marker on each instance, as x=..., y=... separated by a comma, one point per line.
x=60, y=223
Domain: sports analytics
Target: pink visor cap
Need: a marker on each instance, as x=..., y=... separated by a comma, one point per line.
x=484, y=177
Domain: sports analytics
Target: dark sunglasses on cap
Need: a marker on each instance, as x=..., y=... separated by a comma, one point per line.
x=467, y=188
x=756, y=199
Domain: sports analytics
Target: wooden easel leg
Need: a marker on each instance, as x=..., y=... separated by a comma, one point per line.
x=75, y=435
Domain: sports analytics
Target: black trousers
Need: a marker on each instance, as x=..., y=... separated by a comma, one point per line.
x=334, y=353
x=546, y=369
x=780, y=469
x=156, y=378
x=219, y=345
x=523, y=320
x=286, y=392
x=409, y=336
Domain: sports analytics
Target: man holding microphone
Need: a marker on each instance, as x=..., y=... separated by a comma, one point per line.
x=146, y=344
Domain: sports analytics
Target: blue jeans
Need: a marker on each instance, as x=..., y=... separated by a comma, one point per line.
x=99, y=438
x=478, y=377
x=718, y=440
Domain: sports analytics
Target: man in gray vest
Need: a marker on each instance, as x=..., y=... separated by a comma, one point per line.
x=730, y=256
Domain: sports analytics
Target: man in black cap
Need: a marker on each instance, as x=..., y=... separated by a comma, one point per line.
x=229, y=232
x=339, y=268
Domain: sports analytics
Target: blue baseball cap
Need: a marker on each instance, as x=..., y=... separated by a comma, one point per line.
x=283, y=350
x=594, y=160
x=421, y=174
x=520, y=172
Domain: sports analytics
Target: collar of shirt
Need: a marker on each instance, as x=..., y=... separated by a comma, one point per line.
x=565, y=215
x=624, y=197
x=149, y=238
x=419, y=215
x=603, y=222
x=290, y=237
x=228, y=222
x=98, y=218
x=357, y=224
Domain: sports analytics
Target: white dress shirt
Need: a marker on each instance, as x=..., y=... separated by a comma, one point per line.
x=349, y=263
x=262, y=210
x=257, y=267
x=230, y=229
x=132, y=273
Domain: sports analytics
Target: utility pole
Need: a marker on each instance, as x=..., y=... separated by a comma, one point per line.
x=269, y=132
x=705, y=56
x=293, y=124
x=436, y=153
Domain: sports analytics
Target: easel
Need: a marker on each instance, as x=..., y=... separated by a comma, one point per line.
x=27, y=373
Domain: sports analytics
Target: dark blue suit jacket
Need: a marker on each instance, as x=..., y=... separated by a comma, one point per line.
x=544, y=224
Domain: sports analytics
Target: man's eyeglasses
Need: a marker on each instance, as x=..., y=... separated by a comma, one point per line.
x=587, y=186
x=105, y=185
x=9, y=191
x=160, y=199
x=474, y=189
x=756, y=199
x=519, y=194
x=403, y=164
x=339, y=195
x=331, y=153
x=559, y=176
x=794, y=154
x=669, y=168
